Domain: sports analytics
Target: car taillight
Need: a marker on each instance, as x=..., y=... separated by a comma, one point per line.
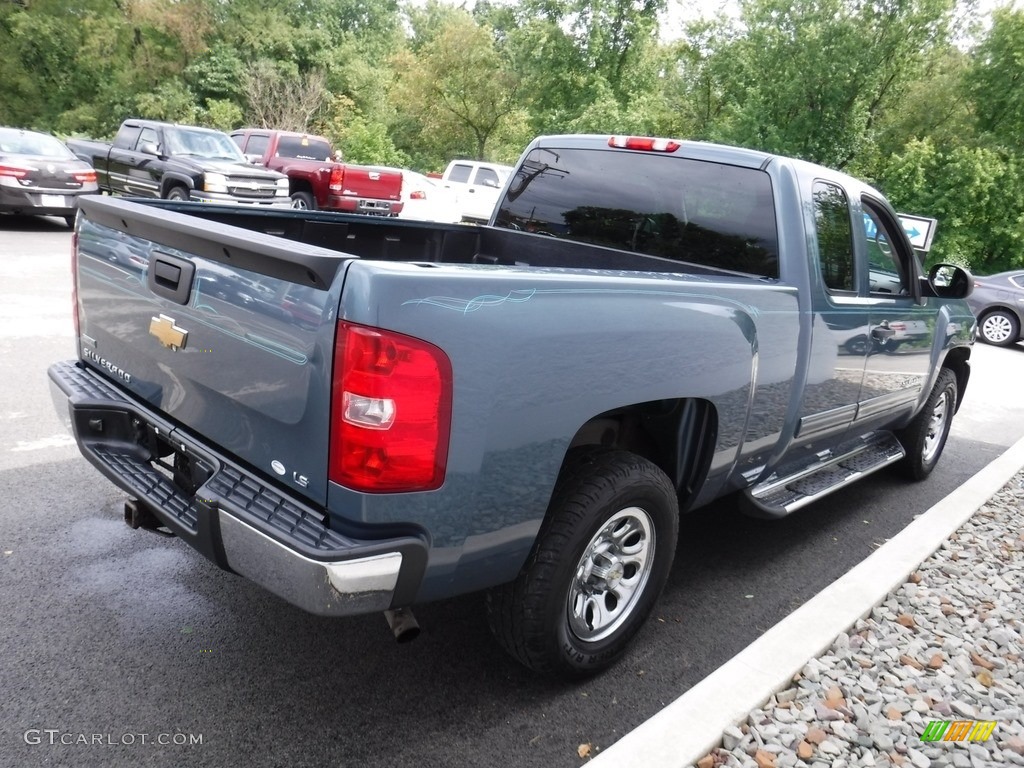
x=337, y=181
x=390, y=411
x=15, y=171
x=644, y=143
x=84, y=177
x=418, y=194
x=898, y=326
x=74, y=283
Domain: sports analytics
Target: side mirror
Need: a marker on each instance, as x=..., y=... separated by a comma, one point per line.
x=948, y=281
x=150, y=148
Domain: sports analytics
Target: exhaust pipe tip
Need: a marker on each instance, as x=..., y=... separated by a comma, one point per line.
x=403, y=624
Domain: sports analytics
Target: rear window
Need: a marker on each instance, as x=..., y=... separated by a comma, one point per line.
x=691, y=211
x=303, y=148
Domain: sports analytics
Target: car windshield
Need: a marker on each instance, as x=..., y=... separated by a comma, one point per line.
x=182, y=141
x=30, y=143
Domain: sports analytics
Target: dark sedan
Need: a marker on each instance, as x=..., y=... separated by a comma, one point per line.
x=39, y=176
x=998, y=302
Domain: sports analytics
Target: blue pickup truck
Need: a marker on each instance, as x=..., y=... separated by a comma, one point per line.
x=366, y=414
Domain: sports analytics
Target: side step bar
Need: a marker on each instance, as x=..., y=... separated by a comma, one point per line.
x=778, y=496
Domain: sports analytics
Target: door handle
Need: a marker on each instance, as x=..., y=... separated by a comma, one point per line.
x=170, y=277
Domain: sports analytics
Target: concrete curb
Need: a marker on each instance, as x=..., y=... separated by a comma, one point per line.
x=692, y=725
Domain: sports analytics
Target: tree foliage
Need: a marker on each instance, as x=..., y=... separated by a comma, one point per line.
x=895, y=91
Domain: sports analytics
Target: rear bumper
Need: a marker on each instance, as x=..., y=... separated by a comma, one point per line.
x=40, y=202
x=364, y=205
x=234, y=518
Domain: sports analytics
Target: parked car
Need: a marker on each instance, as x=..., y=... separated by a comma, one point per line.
x=445, y=409
x=149, y=158
x=478, y=186
x=40, y=176
x=998, y=302
x=316, y=179
x=427, y=199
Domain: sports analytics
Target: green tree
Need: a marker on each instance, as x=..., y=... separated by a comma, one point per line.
x=977, y=195
x=811, y=78
x=457, y=90
x=996, y=80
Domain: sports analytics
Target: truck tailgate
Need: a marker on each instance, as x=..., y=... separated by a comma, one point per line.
x=225, y=332
x=376, y=183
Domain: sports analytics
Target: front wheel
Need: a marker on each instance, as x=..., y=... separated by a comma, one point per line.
x=925, y=437
x=999, y=327
x=601, y=559
x=177, y=193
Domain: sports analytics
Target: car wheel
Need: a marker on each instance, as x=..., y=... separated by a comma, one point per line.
x=177, y=193
x=303, y=201
x=600, y=560
x=999, y=327
x=925, y=437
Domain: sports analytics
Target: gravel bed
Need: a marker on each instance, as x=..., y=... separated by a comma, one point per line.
x=947, y=645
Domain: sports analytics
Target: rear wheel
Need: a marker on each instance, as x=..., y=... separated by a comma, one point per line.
x=303, y=201
x=925, y=437
x=177, y=193
x=601, y=559
x=999, y=327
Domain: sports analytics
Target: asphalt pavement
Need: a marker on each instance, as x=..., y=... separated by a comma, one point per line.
x=119, y=645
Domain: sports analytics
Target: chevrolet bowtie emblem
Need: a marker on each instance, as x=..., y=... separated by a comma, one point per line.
x=168, y=333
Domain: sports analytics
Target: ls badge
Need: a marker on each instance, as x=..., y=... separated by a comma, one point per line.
x=169, y=334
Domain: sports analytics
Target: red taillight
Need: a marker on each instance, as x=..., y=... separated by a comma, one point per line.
x=390, y=412
x=643, y=143
x=14, y=170
x=419, y=194
x=337, y=181
x=84, y=177
x=74, y=282
x=898, y=326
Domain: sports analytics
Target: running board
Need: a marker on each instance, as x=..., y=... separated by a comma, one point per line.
x=778, y=496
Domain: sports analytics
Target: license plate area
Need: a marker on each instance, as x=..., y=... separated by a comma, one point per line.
x=53, y=201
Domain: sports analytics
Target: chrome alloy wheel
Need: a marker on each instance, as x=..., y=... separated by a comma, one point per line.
x=996, y=328
x=611, y=575
x=937, y=426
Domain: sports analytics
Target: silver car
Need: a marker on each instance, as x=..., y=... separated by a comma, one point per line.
x=998, y=302
x=39, y=176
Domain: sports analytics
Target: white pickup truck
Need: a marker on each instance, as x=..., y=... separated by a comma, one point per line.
x=478, y=185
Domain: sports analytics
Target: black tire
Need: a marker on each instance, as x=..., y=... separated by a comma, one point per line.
x=925, y=437
x=303, y=201
x=177, y=193
x=611, y=512
x=999, y=327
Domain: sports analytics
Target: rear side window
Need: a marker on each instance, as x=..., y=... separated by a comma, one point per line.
x=460, y=173
x=691, y=211
x=257, y=144
x=302, y=148
x=835, y=236
x=127, y=136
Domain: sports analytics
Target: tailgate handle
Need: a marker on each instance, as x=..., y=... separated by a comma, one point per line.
x=171, y=277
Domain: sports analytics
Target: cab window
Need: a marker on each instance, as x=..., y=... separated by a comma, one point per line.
x=835, y=237
x=885, y=247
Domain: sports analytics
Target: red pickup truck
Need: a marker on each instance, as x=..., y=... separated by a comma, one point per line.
x=315, y=179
